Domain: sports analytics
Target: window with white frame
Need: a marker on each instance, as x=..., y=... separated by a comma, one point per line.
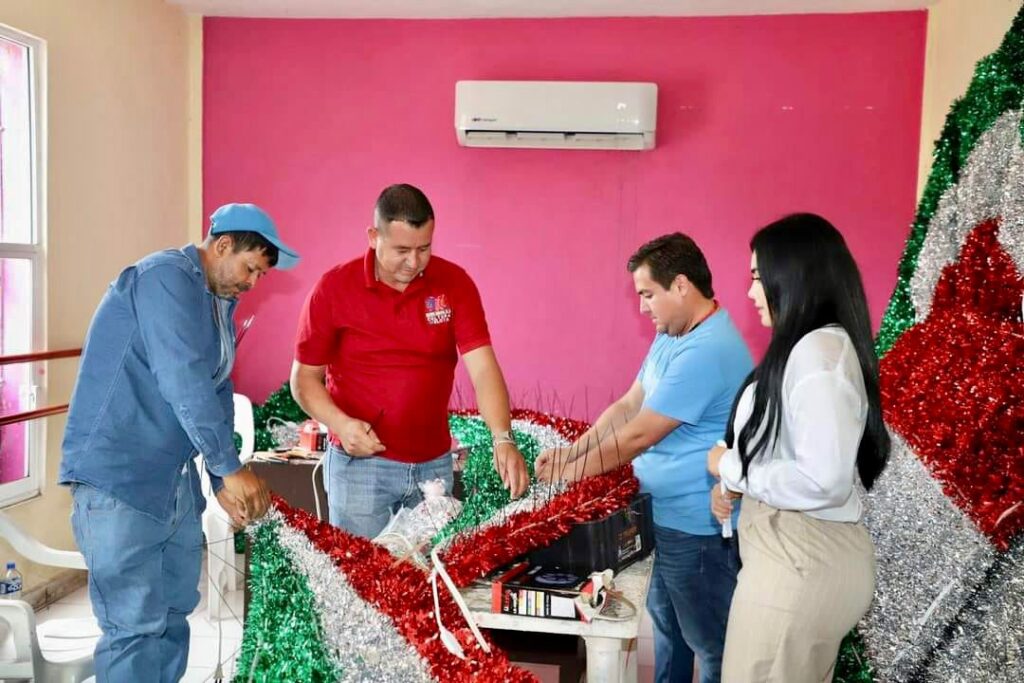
x=22, y=444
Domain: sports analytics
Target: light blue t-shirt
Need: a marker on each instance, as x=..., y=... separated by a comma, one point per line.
x=692, y=378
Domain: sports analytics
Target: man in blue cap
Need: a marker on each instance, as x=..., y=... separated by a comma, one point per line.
x=153, y=389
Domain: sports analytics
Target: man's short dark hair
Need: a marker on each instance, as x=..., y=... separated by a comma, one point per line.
x=403, y=203
x=671, y=255
x=244, y=240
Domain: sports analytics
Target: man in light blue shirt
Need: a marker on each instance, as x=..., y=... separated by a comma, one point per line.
x=665, y=424
x=153, y=389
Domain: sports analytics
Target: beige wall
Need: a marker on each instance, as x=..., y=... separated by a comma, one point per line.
x=118, y=178
x=197, y=223
x=960, y=32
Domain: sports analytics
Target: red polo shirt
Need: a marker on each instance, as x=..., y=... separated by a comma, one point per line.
x=391, y=355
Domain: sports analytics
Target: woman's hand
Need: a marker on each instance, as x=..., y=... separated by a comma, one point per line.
x=721, y=503
x=714, y=457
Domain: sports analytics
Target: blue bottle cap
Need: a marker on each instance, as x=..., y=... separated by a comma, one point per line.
x=10, y=565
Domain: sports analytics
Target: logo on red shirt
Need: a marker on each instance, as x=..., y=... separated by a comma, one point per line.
x=438, y=310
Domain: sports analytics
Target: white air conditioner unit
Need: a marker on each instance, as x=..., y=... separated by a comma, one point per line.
x=555, y=114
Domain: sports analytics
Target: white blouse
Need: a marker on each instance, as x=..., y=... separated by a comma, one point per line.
x=812, y=465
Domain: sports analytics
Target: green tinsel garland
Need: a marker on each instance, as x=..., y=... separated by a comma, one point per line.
x=484, y=493
x=279, y=404
x=853, y=665
x=282, y=623
x=994, y=90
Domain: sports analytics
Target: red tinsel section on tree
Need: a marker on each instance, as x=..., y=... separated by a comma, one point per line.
x=401, y=591
x=569, y=428
x=473, y=556
x=953, y=386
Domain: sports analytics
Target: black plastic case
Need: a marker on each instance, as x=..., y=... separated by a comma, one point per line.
x=614, y=542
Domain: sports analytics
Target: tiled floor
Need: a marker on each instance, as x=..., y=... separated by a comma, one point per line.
x=203, y=655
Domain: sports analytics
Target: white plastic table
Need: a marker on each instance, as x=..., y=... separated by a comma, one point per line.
x=611, y=645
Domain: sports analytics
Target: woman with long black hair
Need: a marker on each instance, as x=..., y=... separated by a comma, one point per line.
x=806, y=424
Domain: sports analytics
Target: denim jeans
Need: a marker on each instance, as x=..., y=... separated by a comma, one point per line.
x=364, y=492
x=691, y=588
x=143, y=583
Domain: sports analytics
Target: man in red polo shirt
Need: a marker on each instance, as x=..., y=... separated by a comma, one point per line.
x=385, y=331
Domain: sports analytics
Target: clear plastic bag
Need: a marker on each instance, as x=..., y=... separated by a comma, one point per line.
x=409, y=530
x=283, y=433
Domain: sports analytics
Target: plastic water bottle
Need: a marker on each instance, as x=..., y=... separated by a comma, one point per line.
x=12, y=582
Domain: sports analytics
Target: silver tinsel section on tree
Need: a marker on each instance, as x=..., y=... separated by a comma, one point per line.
x=986, y=642
x=931, y=558
x=363, y=643
x=538, y=494
x=1011, y=235
x=991, y=185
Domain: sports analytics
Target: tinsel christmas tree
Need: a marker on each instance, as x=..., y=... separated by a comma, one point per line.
x=330, y=606
x=948, y=513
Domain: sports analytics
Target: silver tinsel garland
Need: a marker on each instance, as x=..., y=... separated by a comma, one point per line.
x=363, y=643
x=538, y=494
x=931, y=558
x=547, y=437
x=1011, y=235
x=990, y=186
x=987, y=641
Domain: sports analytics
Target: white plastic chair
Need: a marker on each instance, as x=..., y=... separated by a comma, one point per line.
x=29, y=661
x=221, y=566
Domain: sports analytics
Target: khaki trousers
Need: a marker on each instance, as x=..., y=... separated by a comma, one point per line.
x=804, y=584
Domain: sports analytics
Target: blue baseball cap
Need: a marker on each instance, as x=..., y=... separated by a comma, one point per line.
x=251, y=218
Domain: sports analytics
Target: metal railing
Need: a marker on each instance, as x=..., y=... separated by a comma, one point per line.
x=37, y=413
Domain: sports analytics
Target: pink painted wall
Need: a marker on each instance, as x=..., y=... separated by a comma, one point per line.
x=757, y=116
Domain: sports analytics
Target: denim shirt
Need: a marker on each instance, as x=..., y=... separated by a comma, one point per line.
x=153, y=386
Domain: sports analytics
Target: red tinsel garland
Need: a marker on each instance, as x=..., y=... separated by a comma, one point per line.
x=568, y=428
x=401, y=591
x=953, y=386
x=478, y=554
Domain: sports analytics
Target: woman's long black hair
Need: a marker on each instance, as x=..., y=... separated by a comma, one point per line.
x=810, y=280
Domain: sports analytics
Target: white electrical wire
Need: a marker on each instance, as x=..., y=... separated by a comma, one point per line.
x=316, y=495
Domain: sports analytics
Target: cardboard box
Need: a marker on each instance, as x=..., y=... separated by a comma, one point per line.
x=536, y=591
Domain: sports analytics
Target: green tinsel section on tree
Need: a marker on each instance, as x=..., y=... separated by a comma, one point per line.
x=853, y=665
x=995, y=89
x=278, y=404
x=282, y=626
x=484, y=494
